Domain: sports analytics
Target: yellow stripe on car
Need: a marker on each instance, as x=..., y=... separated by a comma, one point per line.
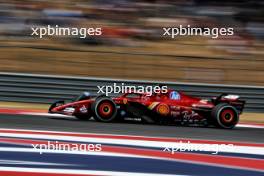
x=153, y=105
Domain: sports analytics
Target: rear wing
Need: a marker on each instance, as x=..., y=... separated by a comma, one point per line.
x=233, y=100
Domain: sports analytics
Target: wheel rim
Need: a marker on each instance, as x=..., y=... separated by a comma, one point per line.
x=105, y=110
x=228, y=117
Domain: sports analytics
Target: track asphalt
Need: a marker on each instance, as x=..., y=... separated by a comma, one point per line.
x=30, y=122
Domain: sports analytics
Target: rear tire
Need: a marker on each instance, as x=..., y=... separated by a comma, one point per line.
x=225, y=116
x=105, y=109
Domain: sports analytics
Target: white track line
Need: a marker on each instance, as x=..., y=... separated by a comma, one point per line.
x=79, y=172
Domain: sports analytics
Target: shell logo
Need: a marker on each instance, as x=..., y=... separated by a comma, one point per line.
x=163, y=109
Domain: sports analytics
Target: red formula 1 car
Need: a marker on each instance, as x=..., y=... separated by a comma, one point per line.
x=172, y=107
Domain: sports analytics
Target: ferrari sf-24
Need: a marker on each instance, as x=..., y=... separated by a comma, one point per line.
x=173, y=107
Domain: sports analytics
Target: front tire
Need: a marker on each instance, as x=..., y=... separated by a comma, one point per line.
x=225, y=116
x=105, y=109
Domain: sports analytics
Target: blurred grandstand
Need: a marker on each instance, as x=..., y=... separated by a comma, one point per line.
x=132, y=45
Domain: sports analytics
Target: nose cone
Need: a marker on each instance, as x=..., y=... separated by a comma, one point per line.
x=54, y=105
